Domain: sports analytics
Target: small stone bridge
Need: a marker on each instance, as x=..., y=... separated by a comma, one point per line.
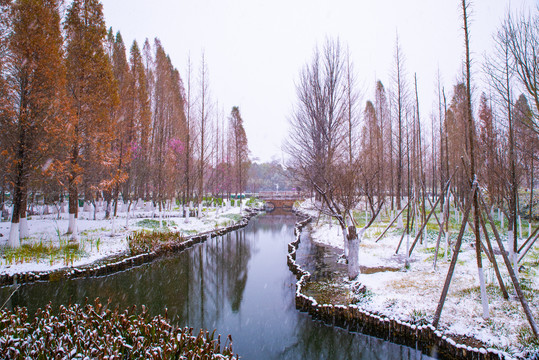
x=279, y=199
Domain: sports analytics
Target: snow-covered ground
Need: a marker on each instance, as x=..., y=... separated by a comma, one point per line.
x=96, y=238
x=412, y=292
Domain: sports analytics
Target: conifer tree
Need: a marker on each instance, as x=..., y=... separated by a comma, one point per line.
x=35, y=83
x=487, y=141
x=240, y=148
x=168, y=123
x=203, y=128
x=400, y=104
x=139, y=109
x=93, y=94
x=4, y=98
x=124, y=122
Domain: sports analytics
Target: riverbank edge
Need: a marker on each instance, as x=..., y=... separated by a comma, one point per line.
x=425, y=338
x=117, y=263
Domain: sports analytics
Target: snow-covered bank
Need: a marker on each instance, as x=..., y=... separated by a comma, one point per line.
x=103, y=238
x=412, y=292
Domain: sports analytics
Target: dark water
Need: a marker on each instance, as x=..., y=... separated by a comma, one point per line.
x=238, y=284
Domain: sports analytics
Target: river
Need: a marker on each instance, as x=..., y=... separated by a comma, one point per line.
x=238, y=284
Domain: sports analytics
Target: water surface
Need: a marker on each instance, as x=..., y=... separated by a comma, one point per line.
x=238, y=284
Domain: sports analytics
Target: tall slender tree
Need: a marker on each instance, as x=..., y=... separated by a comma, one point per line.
x=93, y=93
x=35, y=91
x=400, y=103
x=471, y=155
x=203, y=129
x=240, y=148
x=140, y=111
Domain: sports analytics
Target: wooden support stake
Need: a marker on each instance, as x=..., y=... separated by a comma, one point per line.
x=514, y=279
x=438, y=312
x=482, y=244
x=438, y=243
x=528, y=239
x=430, y=214
x=392, y=221
x=436, y=216
x=494, y=262
x=444, y=223
x=528, y=248
x=406, y=229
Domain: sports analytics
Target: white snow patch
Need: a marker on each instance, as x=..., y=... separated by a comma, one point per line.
x=415, y=290
x=94, y=236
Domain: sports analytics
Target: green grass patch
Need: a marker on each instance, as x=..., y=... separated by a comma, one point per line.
x=493, y=290
x=38, y=252
x=154, y=224
x=234, y=217
x=419, y=317
x=441, y=255
x=526, y=338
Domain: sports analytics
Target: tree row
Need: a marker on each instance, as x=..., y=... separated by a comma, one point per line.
x=83, y=117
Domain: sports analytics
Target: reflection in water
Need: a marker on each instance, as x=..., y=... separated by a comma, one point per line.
x=238, y=284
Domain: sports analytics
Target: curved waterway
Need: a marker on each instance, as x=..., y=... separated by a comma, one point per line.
x=238, y=284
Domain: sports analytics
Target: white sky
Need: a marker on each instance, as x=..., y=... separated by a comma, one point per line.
x=255, y=48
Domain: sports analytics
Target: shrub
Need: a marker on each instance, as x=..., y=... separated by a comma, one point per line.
x=94, y=331
x=143, y=241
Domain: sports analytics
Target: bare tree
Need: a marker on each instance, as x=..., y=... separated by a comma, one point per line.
x=317, y=143
x=351, y=103
x=520, y=37
x=471, y=140
x=203, y=130
x=400, y=101
x=499, y=66
x=318, y=125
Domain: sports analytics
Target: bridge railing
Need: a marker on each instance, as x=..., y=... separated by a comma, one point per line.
x=289, y=195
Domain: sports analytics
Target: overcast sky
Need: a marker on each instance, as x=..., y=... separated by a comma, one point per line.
x=255, y=48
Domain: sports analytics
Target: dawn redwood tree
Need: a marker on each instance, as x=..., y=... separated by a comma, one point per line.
x=123, y=120
x=471, y=153
x=369, y=167
x=471, y=172
x=188, y=140
x=168, y=124
x=204, y=130
x=4, y=98
x=160, y=132
x=140, y=111
x=240, y=148
x=520, y=37
x=400, y=104
x=382, y=114
x=35, y=93
x=369, y=158
x=487, y=144
x=526, y=143
x=93, y=93
x=351, y=102
x=455, y=125
x=149, y=64
x=500, y=68
x=176, y=145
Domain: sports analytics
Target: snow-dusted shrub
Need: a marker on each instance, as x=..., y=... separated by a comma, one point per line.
x=94, y=331
x=142, y=241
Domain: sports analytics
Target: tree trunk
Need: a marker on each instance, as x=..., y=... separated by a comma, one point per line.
x=73, y=208
x=353, y=251
x=23, y=221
